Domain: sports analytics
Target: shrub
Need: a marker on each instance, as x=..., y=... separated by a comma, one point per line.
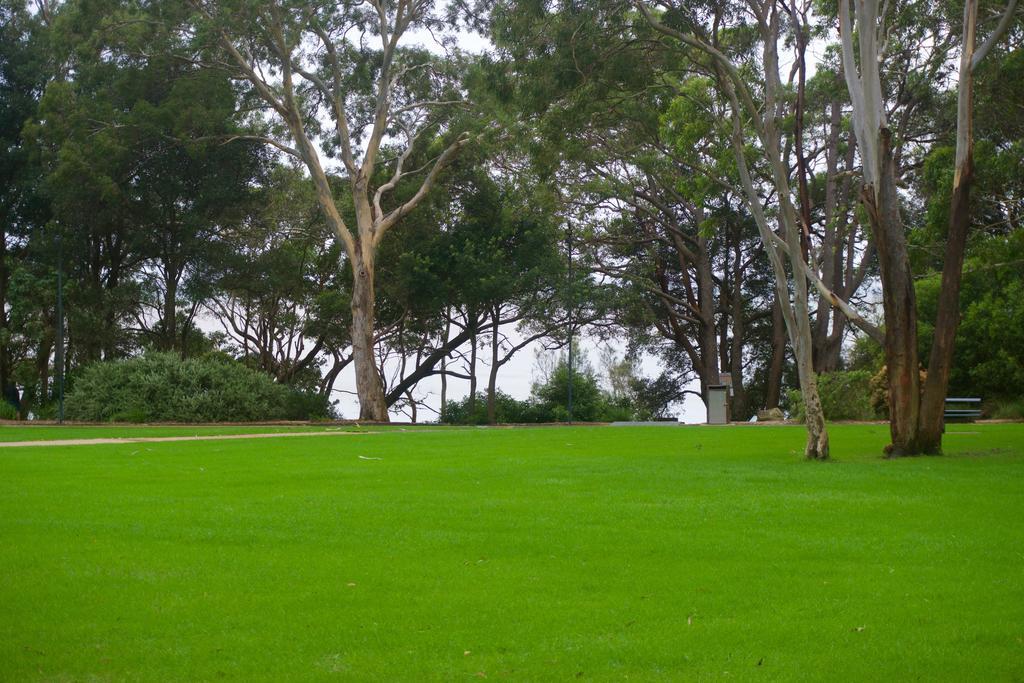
x=589, y=403
x=844, y=396
x=160, y=387
x=1008, y=410
x=7, y=411
x=508, y=410
x=549, y=402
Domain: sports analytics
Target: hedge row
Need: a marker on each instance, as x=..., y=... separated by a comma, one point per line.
x=160, y=387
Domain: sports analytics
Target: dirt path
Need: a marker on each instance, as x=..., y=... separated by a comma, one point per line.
x=157, y=439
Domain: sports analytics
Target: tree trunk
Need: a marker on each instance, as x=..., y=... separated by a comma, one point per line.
x=6, y=386
x=709, y=347
x=933, y=401
x=900, y=306
x=170, y=331
x=444, y=365
x=817, y=436
x=43, y=394
x=370, y=389
x=740, y=405
x=795, y=313
x=425, y=367
x=836, y=239
x=412, y=406
x=472, y=374
x=773, y=391
x=940, y=362
x=828, y=345
x=492, y=381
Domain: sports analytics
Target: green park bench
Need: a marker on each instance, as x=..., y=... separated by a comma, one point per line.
x=962, y=409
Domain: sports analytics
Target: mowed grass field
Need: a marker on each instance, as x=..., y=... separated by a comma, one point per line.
x=586, y=553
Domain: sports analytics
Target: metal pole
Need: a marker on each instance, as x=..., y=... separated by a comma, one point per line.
x=571, y=303
x=59, y=354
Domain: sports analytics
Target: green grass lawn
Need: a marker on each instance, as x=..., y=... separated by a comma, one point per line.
x=591, y=553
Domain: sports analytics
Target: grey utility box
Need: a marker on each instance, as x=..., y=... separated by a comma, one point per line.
x=718, y=404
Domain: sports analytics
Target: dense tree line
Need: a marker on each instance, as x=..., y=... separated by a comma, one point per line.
x=313, y=188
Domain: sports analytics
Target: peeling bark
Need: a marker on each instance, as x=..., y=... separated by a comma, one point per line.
x=370, y=388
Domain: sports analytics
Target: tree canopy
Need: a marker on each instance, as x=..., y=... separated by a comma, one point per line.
x=338, y=196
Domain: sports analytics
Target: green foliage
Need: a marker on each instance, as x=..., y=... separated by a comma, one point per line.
x=508, y=410
x=988, y=360
x=549, y=401
x=481, y=244
x=589, y=403
x=866, y=354
x=844, y=396
x=1007, y=410
x=7, y=411
x=160, y=387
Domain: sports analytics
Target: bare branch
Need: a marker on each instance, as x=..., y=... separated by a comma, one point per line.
x=997, y=33
x=428, y=183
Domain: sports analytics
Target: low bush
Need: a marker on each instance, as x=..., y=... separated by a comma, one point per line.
x=508, y=410
x=1007, y=410
x=160, y=387
x=844, y=396
x=7, y=411
x=549, y=403
x=880, y=390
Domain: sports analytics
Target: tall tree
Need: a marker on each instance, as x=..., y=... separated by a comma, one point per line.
x=707, y=39
x=865, y=32
x=26, y=65
x=948, y=315
x=311, y=61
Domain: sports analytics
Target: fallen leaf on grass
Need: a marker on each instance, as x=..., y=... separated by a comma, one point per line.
x=858, y=629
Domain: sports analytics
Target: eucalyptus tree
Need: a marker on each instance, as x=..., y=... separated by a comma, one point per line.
x=948, y=315
x=840, y=240
x=869, y=29
x=717, y=37
x=821, y=150
x=340, y=74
